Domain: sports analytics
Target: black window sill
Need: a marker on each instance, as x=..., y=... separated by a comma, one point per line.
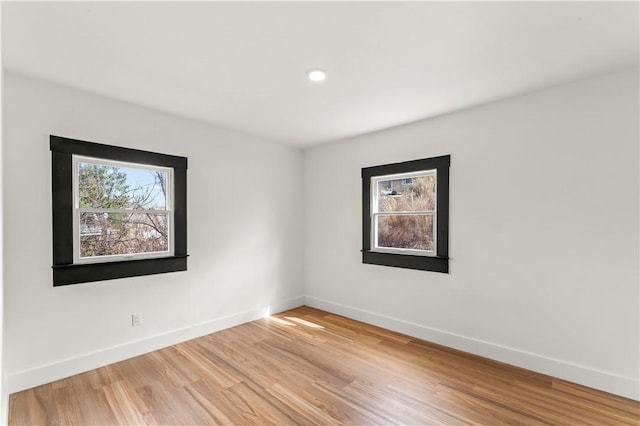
x=423, y=263
x=89, y=272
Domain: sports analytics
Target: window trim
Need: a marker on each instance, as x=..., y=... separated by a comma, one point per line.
x=65, y=271
x=438, y=262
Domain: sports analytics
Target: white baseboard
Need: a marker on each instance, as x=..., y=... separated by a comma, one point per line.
x=628, y=387
x=40, y=375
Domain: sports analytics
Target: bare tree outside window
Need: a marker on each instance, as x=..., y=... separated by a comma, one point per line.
x=122, y=210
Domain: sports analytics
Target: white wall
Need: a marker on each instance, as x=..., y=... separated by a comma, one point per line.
x=543, y=237
x=4, y=394
x=244, y=236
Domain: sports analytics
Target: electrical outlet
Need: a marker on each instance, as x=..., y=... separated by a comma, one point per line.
x=136, y=320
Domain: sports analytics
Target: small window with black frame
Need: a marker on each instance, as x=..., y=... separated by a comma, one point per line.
x=405, y=214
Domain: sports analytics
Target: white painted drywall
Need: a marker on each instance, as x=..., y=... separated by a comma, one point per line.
x=543, y=237
x=244, y=235
x=4, y=394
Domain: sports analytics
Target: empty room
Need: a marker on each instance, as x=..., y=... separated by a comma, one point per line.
x=297, y=213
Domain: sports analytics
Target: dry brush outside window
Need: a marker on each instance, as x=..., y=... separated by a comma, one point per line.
x=405, y=214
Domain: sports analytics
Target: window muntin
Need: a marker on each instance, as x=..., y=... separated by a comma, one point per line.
x=122, y=211
x=403, y=213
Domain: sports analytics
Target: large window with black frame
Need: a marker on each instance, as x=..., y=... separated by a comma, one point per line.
x=117, y=212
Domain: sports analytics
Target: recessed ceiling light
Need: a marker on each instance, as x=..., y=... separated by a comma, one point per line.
x=317, y=75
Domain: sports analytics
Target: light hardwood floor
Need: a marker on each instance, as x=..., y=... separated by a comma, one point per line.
x=307, y=366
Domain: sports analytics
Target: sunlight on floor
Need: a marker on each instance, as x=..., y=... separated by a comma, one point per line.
x=304, y=322
x=292, y=321
x=281, y=321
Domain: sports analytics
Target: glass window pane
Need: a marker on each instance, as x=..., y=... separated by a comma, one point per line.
x=104, y=234
x=407, y=194
x=406, y=231
x=111, y=187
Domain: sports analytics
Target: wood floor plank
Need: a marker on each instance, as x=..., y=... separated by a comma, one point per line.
x=617, y=403
x=399, y=410
x=171, y=406
x=32, y=412
x=303, y=411
x=255, y=408
x=209, y=398
x=70, y=411
x=125, y=404
x=44, y=400
x=309, y=367
x=332, y=401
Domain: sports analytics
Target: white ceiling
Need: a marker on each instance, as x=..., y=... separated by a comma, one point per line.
x=243, y=65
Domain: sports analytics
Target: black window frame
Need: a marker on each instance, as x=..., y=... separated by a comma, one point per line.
x=65, y=272
x=437, y=263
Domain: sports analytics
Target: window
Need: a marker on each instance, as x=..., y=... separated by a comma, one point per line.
x=122, y=210
x=117, y=212
x=405, y=214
